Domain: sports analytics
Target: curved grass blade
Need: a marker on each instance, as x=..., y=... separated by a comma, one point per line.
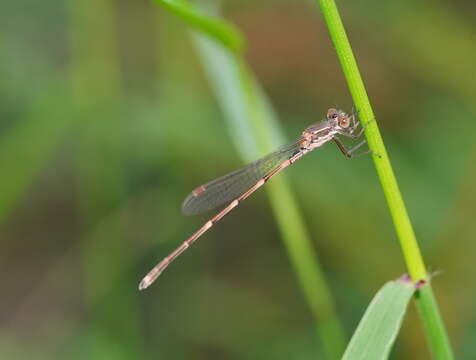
x=222, y=31
x=378, y=328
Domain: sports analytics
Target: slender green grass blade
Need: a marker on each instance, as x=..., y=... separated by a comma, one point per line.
x=255, y=131
x=256, y=121
x=433, y=324
x=223, y=32
x=378, y=328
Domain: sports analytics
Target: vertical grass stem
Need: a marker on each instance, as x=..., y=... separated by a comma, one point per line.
x=426, y=303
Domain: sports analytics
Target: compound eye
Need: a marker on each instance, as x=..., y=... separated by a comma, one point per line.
x=332, y=114
x=344, y=122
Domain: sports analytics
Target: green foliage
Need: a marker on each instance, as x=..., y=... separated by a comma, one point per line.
x=223, y=32
x=374, y=337
x=108, y=120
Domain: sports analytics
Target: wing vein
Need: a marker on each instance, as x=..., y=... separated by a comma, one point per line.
x=227, y=187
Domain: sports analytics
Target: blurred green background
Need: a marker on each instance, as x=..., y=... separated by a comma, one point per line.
x=108, y=121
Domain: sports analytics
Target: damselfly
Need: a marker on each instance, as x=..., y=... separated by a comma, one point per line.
x=241, y=183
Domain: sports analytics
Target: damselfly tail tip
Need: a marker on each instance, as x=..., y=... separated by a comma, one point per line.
x=144, y=284
x=150, y=277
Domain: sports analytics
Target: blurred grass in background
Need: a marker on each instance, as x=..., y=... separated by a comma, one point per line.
x=108, y=121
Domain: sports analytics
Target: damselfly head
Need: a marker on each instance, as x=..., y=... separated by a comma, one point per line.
x=338, y=117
